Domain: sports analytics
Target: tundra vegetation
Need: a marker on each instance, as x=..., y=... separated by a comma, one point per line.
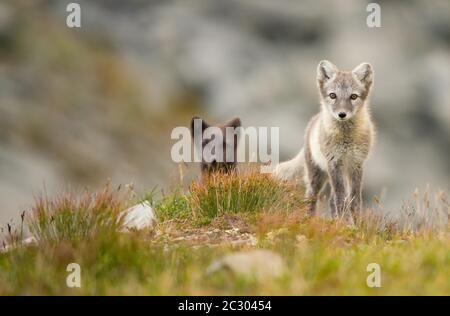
x=225, y=214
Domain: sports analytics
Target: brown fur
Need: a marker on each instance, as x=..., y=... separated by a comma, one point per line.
x=219, y=166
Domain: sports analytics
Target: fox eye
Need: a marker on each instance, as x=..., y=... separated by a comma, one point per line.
x=354, y=96
x=332, y=95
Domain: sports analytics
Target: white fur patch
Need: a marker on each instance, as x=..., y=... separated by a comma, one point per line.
x=314, y=143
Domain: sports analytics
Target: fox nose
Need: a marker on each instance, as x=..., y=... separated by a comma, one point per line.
x=342, y=115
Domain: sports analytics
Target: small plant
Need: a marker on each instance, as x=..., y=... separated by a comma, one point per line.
x=173, y=206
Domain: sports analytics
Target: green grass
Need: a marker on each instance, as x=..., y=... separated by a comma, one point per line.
x=248, y=193
x=245, y=193
x=322, y=256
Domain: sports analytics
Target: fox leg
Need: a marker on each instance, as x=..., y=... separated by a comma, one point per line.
x=332, y=205
x=336, y=174
x=315, y=181
x=356, y=189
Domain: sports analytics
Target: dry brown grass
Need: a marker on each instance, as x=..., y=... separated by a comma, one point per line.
x=77, y=217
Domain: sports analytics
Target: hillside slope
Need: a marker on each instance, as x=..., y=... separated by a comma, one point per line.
x=245, y=235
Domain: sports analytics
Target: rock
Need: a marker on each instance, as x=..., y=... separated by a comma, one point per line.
x=258, y=264
x=6, y=18
x=245, y=240
x=29, y=241
x=138, y=217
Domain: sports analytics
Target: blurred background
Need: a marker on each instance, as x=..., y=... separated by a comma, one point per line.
x=81, y=106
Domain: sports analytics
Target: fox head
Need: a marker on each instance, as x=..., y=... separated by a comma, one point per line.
x=221, y=161
x=344, y=93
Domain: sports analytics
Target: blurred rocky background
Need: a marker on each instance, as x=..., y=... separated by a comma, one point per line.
x=81, y=106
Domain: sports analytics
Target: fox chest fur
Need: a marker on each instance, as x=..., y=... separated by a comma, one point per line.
x=346, y=143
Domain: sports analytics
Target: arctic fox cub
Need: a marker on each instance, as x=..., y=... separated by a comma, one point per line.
x=221, y=164
x=337, y=140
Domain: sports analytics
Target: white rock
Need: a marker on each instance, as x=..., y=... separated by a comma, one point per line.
x=258, y=264
x=29, y=241
x=138, y=217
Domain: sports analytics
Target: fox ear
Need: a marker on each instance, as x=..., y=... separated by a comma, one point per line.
x=204, y=125
x=364, y=74
x=325, y=71
x=236, y=122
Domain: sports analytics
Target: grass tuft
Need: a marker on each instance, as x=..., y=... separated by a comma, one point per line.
x=252, y=192
x=77, y=218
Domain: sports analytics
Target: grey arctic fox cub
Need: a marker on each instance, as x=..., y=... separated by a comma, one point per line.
x=217, y=164
x=337, y=140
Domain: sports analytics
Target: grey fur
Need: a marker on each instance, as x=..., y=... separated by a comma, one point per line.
x=336, y=148
x=222, y=166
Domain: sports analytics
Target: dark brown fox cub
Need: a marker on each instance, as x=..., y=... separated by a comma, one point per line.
x=225, y=159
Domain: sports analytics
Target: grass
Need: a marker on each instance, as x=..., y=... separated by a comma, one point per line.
x=250, y=193
x=224, y=214
x=246, y=193
x=76, y=218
